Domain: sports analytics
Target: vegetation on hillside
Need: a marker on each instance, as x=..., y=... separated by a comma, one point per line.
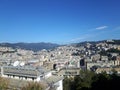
x=34, y=86
x=88, y=80
x=3, y=83
x=106, y=53
x=113, y=50
x=117, y=42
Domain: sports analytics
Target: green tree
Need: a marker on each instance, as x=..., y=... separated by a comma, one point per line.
x=106, y=82
x=84, y=80
x=68, y=84
x=88, y=80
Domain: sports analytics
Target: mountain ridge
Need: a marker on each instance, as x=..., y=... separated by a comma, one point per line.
x=30, y=46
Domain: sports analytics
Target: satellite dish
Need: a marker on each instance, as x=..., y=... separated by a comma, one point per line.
x=22, y=64
x=16, y=63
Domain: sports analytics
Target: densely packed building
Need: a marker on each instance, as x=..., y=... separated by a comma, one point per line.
x=62, y=61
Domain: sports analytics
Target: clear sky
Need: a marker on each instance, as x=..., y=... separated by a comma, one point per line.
x=59, y=21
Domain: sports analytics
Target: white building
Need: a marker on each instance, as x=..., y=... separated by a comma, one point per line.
x=30, y=73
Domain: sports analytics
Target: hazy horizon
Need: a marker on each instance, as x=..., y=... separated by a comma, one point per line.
x=57, y=43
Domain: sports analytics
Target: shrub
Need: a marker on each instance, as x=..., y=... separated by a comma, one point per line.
x=3, y=83
x=33, y=86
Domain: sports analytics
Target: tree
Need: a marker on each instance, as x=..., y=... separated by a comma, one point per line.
x=105, y=81
x=68, y=84
x=84, y=80
x=88, y=80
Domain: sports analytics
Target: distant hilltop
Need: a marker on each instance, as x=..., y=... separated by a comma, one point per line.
x=113, y=41
x=30, y=46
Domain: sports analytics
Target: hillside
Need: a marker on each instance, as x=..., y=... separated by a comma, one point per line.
x=117, y=42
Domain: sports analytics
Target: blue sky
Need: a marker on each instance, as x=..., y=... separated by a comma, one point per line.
x=59, y=21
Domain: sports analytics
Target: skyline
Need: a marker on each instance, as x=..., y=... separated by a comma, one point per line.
x=59, y=21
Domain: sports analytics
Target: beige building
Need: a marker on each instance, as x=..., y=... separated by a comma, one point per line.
x=69, y=72
x=107, y=70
